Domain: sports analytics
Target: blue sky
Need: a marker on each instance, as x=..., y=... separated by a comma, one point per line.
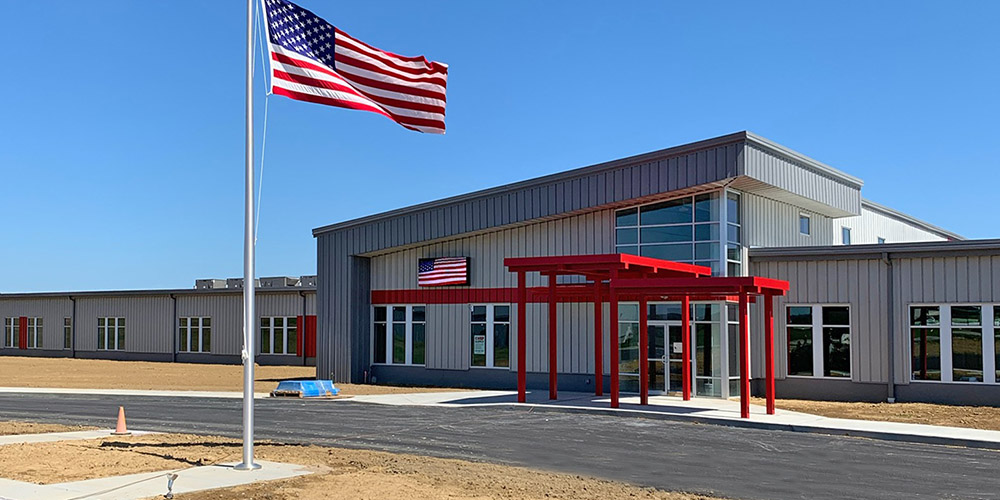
x=121, y=135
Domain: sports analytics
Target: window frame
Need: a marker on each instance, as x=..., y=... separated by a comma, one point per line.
x=119, y=323
x=408, y=342
x=989, y=332
x=284, y=337
x=202, y=329
x=12, y=332
x=808, y=219
x=490, y=324
x=35, y=329
x=817, y=325
x=67, y=332
x=845, y=235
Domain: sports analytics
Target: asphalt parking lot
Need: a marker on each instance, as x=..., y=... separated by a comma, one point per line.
x=726, y=461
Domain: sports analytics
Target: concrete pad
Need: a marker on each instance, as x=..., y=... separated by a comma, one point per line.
x=131, y=392
x=702, y=410
x=151, y=484
x=49, y=437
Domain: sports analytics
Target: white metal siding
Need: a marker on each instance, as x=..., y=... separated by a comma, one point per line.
x=871, y=225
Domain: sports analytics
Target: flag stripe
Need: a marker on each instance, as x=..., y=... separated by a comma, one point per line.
x=313, y=61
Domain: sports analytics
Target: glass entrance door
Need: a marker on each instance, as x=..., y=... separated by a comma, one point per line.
x=675, y=382
x=665, y=362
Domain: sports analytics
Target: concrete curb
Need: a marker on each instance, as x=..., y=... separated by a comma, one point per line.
x=130, y=392
x=752, y=424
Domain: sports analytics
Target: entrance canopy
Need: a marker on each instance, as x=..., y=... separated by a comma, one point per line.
x=616, y=276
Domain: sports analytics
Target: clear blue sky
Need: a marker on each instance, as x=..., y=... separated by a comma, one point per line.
x=121, y=132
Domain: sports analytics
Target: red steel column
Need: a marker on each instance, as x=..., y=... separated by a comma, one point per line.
x=522, y=346
x=613, y=347
x=686, y=345
x=598, y=341
x=643, y=352
x=22, y=334
x=744, y=357
x=769, y=350
x=552, y=337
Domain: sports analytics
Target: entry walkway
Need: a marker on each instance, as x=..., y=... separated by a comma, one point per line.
x=701, y=410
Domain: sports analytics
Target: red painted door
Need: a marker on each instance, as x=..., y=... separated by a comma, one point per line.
x=22, y=338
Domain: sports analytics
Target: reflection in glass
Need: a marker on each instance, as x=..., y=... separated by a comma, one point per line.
x=925, y=349
x=967, y=354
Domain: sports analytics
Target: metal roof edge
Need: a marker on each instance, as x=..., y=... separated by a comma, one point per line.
x=986, y=246
x=812, y=164
x=134, y=293
x=909, y=219
x=540, y=181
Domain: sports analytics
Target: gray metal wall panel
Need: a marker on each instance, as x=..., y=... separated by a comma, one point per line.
x=586, y=233
x=226, y=312
x=790, y=175
x=148, y=321
x=862, y=284
x=772, y=223
x=938, y=280
x=872, y=225
x=52, y=310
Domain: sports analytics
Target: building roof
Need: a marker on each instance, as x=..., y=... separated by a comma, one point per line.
x=878, y=251
x=133, y=293
x=804, y=162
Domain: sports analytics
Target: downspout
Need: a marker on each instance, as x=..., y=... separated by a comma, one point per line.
x=177, y=330
x=302, y=327
x=891, y=380
x=72, y=328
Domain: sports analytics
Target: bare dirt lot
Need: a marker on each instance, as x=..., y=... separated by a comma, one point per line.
x=974, y=417
x=352, y=474
x=17, y=371
x=11, y=428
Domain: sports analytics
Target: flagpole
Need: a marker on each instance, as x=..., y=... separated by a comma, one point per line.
x=248, y=263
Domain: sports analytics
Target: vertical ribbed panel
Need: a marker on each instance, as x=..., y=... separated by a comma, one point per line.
x=939, y=280
x=52, y=310
x=871, y=225
x=862, y=284
x=791, y=176
x=148, y=321
x=771, y=223
x=226, y=312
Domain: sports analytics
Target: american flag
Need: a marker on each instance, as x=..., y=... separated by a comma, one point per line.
x=313, y=61
x=443, y=271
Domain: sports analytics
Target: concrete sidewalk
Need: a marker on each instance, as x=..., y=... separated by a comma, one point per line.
x=131, y=392
x=701, y=410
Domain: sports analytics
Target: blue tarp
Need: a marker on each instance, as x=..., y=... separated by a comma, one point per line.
x=308, y=388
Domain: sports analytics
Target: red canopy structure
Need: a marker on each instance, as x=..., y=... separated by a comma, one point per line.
x=630, y=277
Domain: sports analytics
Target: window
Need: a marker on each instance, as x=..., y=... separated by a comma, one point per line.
x=734, y=251
x=966, y=344
x=491, y=336
x=34, y=328
x=399, y=335
x=278, y=334
x=881, y=240
x=819, y=340
x=11, y=332
x=110, y=334
x=67, y=333
x=845, y=235
x=925, y=343
x=196, y=334
x=950, y=343
x=686, y=229
x=707, y=350
x=804, y=224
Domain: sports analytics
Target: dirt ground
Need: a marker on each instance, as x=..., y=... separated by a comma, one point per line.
x=974, y=417
x=353, y=474
x=18, y=371
x=11, y=428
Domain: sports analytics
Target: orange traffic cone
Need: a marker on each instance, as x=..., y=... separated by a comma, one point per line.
x=120, y=429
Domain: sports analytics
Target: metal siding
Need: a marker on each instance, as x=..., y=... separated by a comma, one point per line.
x=226, y=312
x=772, y=223
x=861, y=284
x=149, y=325
x=52, y=310
x=790, y=176
x=870, y=225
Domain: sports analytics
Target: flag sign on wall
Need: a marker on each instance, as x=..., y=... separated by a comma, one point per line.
x=442, y=271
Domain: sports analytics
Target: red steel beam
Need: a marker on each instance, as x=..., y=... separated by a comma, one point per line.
x=686, y=346
x=744, y=358
x=598, y=341
x=643, y=352
x=553, y=352
x=769, y=350
x=613, y=347
x=522, y=345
